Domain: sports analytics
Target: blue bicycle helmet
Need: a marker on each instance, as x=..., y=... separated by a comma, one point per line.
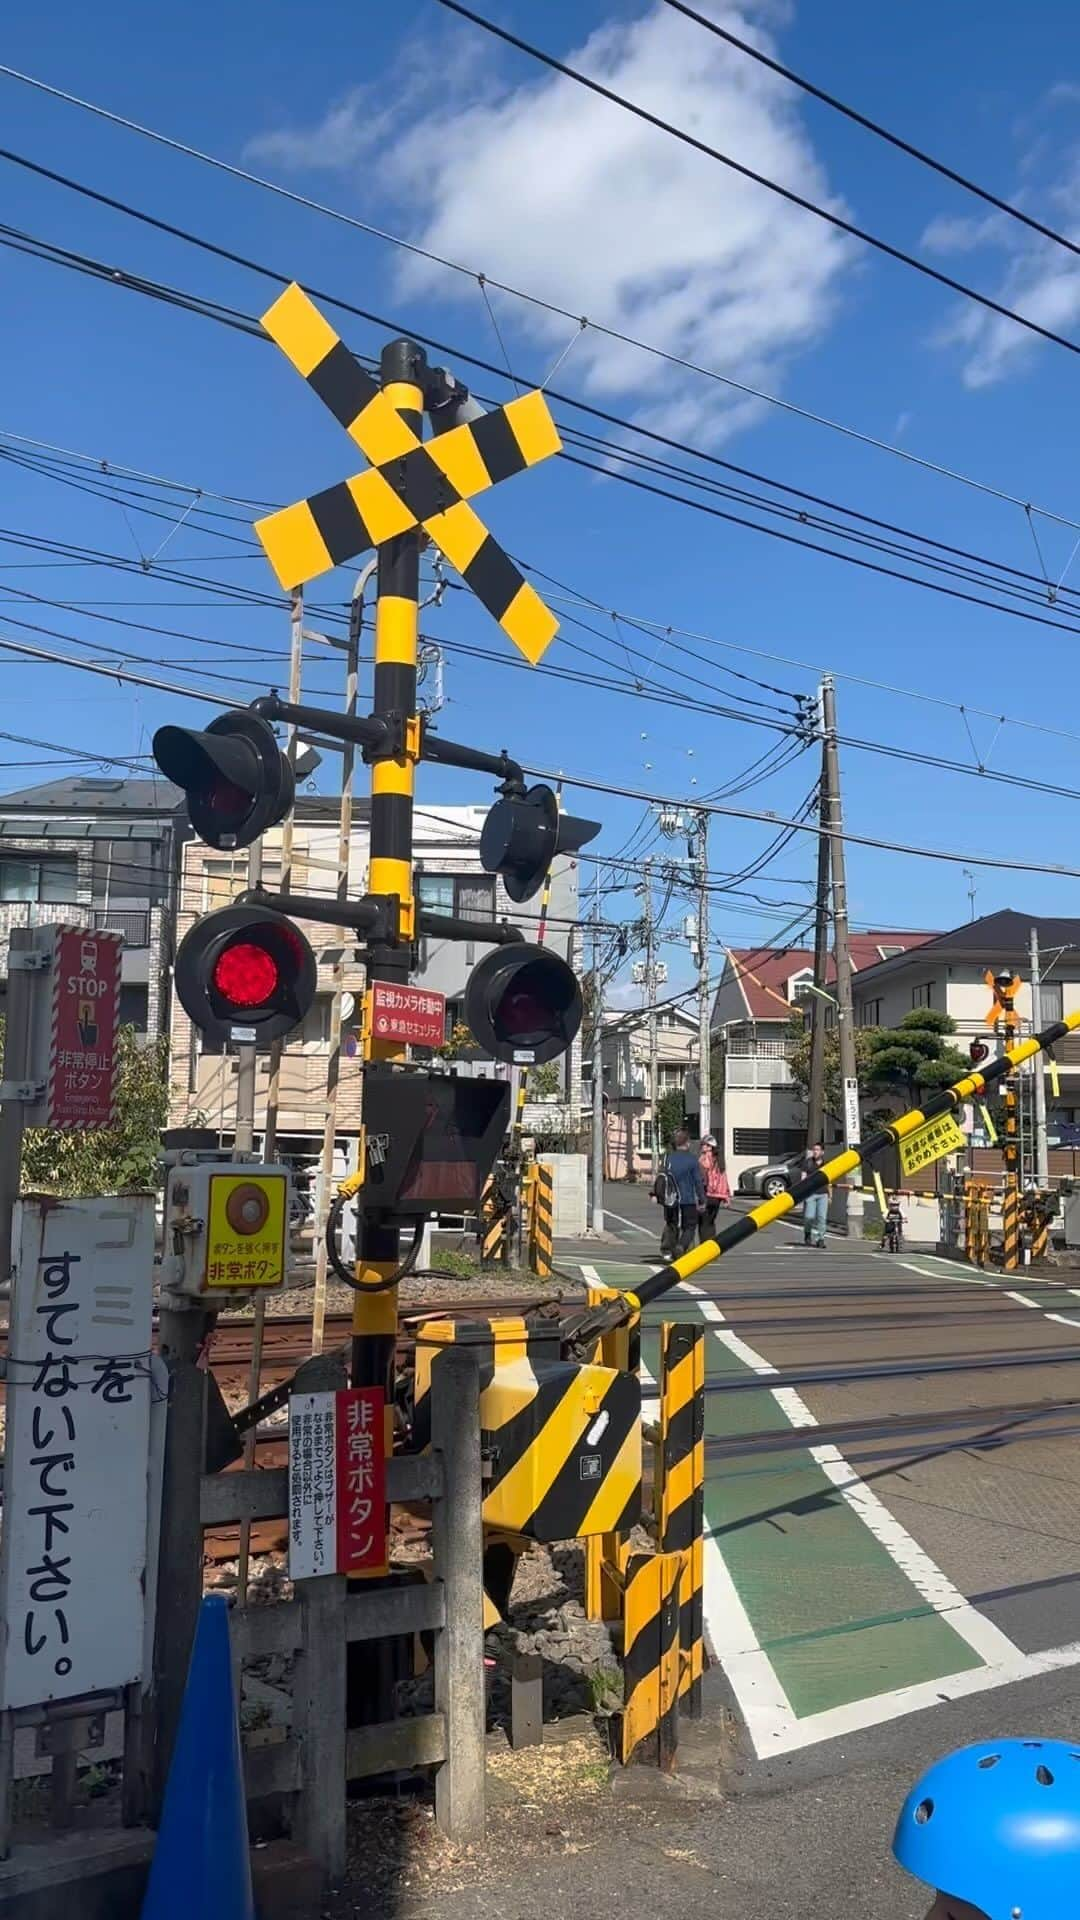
x=998, y=1825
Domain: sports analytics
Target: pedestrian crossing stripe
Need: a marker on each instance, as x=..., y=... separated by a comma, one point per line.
x=410, y=482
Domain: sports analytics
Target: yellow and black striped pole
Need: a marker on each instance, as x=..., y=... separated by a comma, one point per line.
x=587, y=1326
x=682, y=1492
x=393, y=775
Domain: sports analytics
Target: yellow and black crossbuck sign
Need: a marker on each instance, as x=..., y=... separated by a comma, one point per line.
x=410, y=483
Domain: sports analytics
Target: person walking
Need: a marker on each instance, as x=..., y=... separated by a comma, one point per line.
x=717, y=1190
x=815, y=1209
x=684, y=1197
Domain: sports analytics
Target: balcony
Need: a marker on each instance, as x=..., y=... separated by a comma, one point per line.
x=757, y=1064
x=132, y=922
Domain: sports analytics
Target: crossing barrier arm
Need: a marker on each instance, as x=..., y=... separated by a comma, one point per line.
x=582, y=1331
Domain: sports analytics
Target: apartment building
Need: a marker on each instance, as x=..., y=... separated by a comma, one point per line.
x=628, y=1118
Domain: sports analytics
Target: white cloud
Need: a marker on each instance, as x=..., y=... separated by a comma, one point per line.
x=1037, y=278
x=549, y=188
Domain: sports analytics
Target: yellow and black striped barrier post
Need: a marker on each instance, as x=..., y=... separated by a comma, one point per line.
x=605, y=1553
x=1041, y=1215
x=1010, y=1227
x=542, y=1224
x=977, y=1223
x=682, y=1492
x=651, y=1663
x=496, y=1225
x=586, y=1327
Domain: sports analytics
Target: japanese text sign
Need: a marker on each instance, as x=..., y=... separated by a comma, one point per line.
x=930, y=1143
x=408, y=1014
x=83, y=1022
x=246, y=1239
x=337, y=1482
x=73, y=1564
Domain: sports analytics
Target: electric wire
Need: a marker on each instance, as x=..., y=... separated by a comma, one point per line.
x=762, y=180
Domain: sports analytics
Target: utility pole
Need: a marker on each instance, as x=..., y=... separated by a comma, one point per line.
x=393, y=779
x=597, y=1217
x=333, y=1064
x=650, y=1002
x=701, y=856
x=815, y=1103
x=1042, y=1151
x=844, y=1014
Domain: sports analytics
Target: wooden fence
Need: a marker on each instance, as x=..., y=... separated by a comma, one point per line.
x=314, y=1758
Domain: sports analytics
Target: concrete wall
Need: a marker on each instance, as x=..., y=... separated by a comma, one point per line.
x=570, y=1193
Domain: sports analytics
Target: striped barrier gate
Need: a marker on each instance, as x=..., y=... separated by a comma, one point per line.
x=496, y=1225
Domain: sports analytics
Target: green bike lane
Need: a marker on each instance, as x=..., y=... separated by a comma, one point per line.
x=824, y=1612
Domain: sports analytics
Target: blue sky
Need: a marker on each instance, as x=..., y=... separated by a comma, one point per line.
x=414, y=121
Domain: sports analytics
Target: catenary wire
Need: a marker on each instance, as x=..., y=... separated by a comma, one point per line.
x=351, y=220
x=762, y=180
x=875, y=127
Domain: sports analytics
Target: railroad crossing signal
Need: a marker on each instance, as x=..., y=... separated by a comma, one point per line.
x=409, y=483
x=245, y=972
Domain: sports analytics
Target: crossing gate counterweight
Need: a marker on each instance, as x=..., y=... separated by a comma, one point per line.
x=410, y=483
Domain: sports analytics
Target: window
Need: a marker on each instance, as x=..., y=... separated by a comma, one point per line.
x=923, y=996
x=869, y=1014
x=799, y=986
x=314, y=1028
x=644, y=1136
x=1050, y=1001
x=224, y=879
x=468, y=896
x=52, y=878
x=768, y=1143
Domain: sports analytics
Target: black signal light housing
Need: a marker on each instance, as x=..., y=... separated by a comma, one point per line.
x=523, y=1004
x=235, y=776
x=245, y=972
x=523, y=833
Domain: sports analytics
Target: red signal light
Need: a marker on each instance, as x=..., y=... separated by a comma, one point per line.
x=245, y=975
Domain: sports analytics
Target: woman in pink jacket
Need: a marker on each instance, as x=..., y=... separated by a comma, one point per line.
x=717, y=1190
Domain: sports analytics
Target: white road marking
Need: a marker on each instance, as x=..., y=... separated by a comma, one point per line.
x=772, y=1724
x=1021, y=1299
x=632, y=1224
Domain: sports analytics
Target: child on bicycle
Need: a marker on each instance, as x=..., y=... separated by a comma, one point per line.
x=892, y=1230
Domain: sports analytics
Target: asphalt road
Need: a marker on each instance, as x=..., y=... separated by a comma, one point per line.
x=892, y=1496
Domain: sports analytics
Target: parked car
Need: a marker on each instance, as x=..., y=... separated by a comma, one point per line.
x=775, y=1176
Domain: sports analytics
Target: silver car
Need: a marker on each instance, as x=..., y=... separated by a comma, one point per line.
x=773, y=1177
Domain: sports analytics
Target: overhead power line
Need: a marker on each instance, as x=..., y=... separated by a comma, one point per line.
x=750, y=173
x=661, y=630
x=857, y=434
x=641, y=794
x=875, y=127
x=1053, y=595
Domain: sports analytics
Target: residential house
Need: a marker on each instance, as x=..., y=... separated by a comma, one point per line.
x=449, y=879
x=628, y=1120
x=948, y=973
x=758, y=1111
x=98, y=852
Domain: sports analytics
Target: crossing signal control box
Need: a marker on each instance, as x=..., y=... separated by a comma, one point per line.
x=226, y=1230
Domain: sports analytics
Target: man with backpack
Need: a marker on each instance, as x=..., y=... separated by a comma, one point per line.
x=680, y=1189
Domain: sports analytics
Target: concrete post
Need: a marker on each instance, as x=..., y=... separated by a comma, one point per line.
x=458, y=1544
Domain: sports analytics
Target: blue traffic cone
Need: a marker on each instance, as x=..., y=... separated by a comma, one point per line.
x=201, y=1863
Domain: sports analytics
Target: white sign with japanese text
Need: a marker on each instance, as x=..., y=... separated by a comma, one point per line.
x=312, y=1502
x=73, y=1556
